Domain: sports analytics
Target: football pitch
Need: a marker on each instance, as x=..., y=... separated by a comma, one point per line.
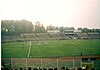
x=50, y=48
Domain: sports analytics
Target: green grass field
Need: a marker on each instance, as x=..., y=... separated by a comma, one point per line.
x=50, y=48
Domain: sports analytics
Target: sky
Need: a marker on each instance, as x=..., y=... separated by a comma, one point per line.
x=67, y=13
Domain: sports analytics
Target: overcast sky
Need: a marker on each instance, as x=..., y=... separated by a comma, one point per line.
x=69, y=13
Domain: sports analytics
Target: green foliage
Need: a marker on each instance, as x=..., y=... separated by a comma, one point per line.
x=11, y=27
x=85, y=30
x=17, y=27
x=39, y=28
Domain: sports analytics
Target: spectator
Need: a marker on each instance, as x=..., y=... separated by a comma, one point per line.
x=63, y=67
x=79, y=69
x=92, y=69
x=44, y=69
x=55, y=68
x=67, y=68
x=50, y=69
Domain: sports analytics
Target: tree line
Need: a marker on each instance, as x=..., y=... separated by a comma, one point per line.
x=17, y=27
x=12, y=27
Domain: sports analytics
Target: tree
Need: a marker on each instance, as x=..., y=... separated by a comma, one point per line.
x=79, y=28
x=69, y=28
x=50, y=27
x=61, y=29
x=16, y=27
x=39, y=28
x=85, y=30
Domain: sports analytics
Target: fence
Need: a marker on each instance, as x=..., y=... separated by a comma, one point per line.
x=17, y=63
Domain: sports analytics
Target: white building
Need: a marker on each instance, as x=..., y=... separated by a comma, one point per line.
x=53, y=31
x=77, y=31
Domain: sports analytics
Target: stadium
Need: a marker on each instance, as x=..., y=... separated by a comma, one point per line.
x=51, y=50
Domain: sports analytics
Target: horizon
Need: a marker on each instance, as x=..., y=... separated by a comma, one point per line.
x=76, y=13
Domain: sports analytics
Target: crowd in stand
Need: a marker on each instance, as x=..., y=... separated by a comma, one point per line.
x=62, y=68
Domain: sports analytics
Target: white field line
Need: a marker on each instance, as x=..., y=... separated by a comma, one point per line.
x=29, y=50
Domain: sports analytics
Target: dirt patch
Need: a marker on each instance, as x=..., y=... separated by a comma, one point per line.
x=44, y=62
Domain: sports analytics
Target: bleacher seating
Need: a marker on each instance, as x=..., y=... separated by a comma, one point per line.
x=50, y=36
x=70, y=36
x=18, y=38
x=43, y=36
x=83, y=35
x=31, y=36
x=56, y=36
x=94, y=35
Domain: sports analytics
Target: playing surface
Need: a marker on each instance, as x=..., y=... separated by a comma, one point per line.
x=50, y=48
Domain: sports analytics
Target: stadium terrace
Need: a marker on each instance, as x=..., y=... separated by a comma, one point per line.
x=25, y=46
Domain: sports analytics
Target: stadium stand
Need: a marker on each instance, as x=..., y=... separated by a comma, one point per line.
x=94, y=35
x=70, y=36
x=51, y=36
x=31, y=36
x=43, y=36
x=56, y=36
x=12, y=39
x=18, y=38
x=5, y=39
x=82, y=35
